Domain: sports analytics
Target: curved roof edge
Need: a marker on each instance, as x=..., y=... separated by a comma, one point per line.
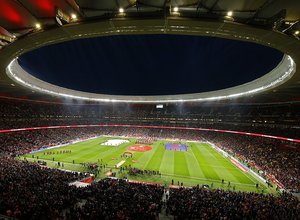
x=277, y=77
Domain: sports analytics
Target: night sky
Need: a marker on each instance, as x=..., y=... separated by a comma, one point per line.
x=150, y=64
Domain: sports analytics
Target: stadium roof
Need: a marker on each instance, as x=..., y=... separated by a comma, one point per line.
x=28, y=24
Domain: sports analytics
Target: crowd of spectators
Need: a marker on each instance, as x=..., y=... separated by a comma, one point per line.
x=21, y=142
x=29, y=191
x=282, y=120
x=118, y=199
x=200, y=203
x=270, y=157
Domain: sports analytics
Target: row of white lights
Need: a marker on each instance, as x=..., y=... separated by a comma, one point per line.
x=286, y=75
x=38, y=26
x=176, y=10
x=121, y=10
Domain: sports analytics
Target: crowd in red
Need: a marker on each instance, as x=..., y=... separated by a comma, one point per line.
x=200, y=203
x=29, y=191
x=282, y=120
x=268, y=156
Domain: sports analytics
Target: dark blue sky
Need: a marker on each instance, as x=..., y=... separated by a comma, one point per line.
x=150, y=64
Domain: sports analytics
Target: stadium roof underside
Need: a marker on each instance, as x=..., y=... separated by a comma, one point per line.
x=268, y=22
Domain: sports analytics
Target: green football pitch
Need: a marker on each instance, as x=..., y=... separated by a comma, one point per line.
x=200, y=164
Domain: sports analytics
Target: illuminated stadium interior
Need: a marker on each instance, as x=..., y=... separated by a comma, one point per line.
x=146, y=109
x=196, y=87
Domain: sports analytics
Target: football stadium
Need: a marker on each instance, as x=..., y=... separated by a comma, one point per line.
x=144, y=109
x=190, y=163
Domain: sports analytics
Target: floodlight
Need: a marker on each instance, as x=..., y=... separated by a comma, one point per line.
x=73, y=16
x=38, y=26
x=229, y=13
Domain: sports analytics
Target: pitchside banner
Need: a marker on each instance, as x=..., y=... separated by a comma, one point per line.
x=239, y=165
x=274, y=180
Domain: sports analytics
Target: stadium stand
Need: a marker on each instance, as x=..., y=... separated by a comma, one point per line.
x=283, y=121
x=31, y=187
x=199, y=203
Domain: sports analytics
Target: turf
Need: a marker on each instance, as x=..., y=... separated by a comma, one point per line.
x=200, y=164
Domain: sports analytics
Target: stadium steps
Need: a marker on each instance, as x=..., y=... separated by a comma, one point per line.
x=162, y=214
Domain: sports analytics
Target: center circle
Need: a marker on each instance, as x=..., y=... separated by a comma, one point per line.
x=150, y=65
x=139, y=148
